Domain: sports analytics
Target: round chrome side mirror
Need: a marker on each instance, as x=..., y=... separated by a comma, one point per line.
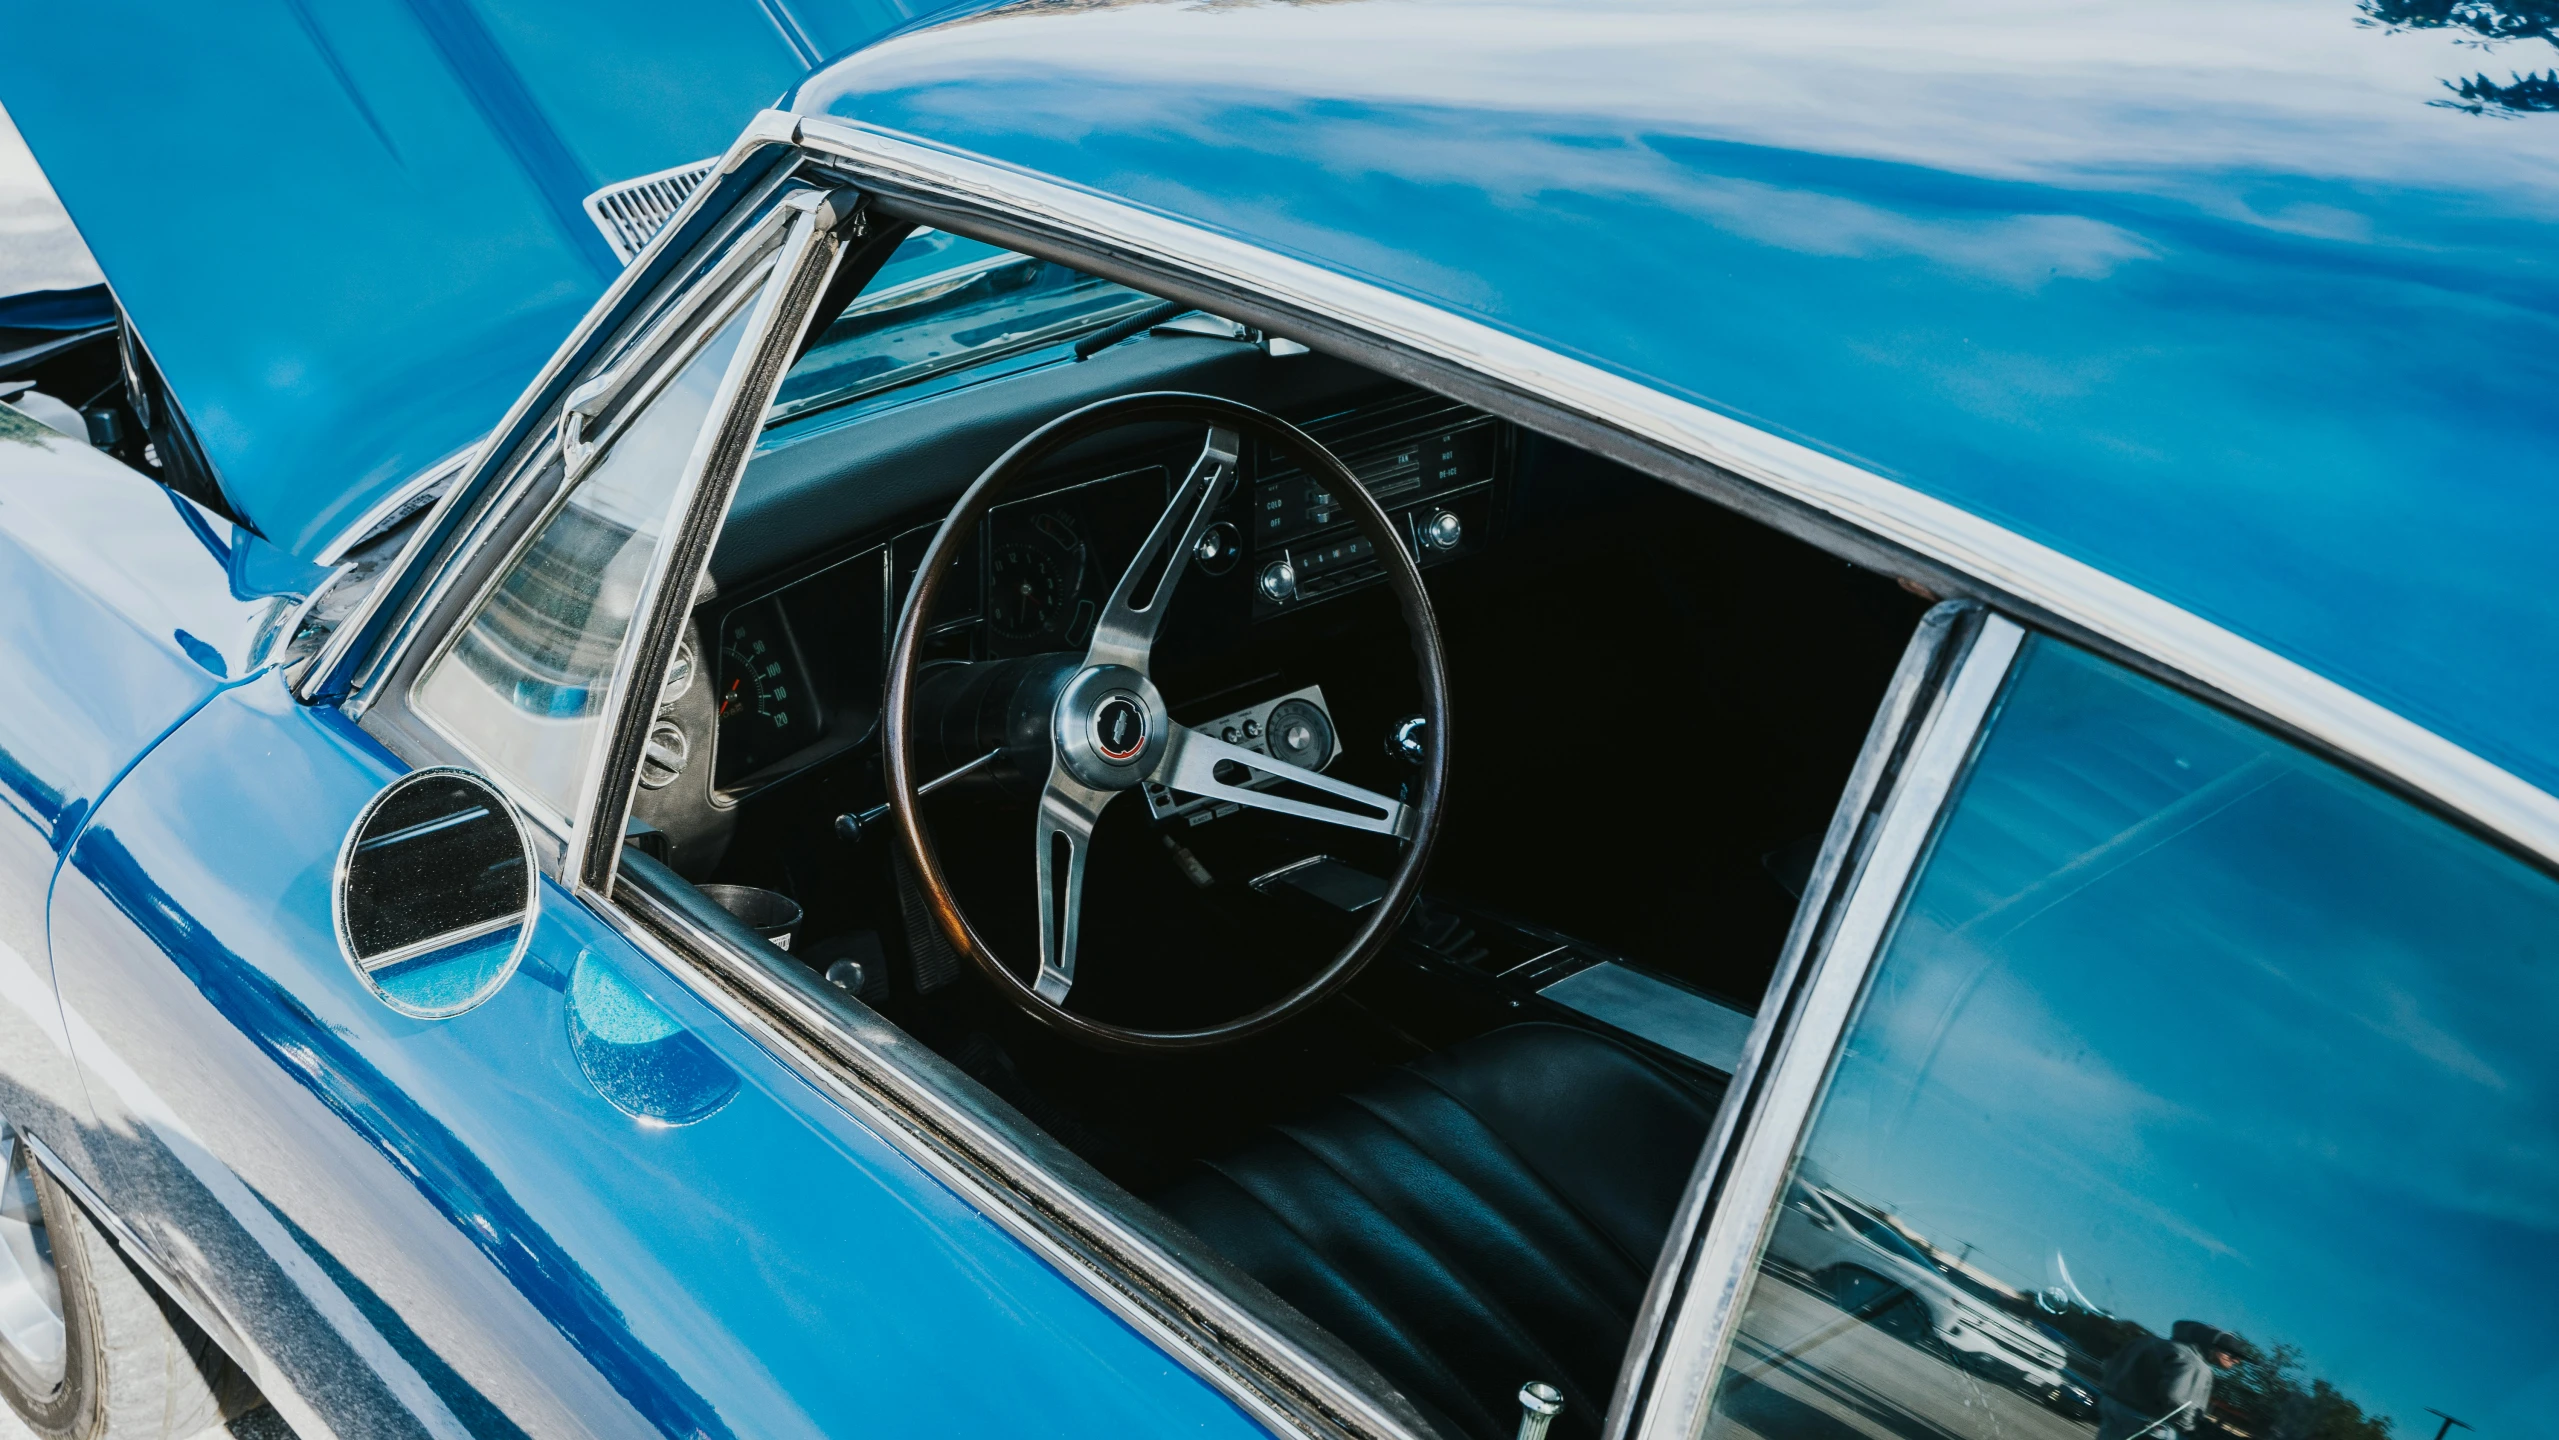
x=435, y=893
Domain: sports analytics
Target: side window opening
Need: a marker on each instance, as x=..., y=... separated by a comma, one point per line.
x=1609, y=930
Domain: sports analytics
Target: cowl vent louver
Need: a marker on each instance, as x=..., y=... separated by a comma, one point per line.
x=630, y=211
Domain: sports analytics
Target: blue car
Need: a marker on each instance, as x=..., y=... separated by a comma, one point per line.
x=1228, y=719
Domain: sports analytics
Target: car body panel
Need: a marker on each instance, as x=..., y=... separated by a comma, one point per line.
x=510, y=1233
x=351, y=233
x=2227, y=307
x=117, y=620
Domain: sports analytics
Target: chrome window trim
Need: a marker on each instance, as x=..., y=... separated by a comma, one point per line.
x=909, y=1098
x=364, y=526
x=1793, y=1046
x=785, y=298
x=1934, y=645
x=1817, y=496
x=671, y=352
x=373, y=641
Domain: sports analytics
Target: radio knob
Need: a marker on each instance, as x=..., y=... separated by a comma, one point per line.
x=1442, y=530
x=1279, y=581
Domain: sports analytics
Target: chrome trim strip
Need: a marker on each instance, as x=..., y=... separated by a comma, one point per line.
x=1099, y=233
x=450, y=938
x=887, y=1081
x=372, y=641
x=800, y=262
x=1916, y=678
x=1753, y=1171
x=363, y=527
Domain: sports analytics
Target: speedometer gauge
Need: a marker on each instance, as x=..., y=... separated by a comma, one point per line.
x=1024, y=592
x=766, y=710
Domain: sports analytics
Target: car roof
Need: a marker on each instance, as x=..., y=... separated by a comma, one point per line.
x=2247, y=306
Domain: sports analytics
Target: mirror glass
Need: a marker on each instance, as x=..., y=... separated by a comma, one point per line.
x=435, y=893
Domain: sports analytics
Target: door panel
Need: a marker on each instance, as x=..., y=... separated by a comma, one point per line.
x=588, y=1206
x=2179, y=1031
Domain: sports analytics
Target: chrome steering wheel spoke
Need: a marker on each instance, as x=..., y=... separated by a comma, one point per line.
x=1109, y=728
x=1200, y=764
x=1125, y=634
x=1068, y=810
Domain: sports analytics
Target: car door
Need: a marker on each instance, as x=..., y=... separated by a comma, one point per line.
x=569, y=1199
x=2215, y=1075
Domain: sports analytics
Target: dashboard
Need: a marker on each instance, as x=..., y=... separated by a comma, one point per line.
x=795, y=661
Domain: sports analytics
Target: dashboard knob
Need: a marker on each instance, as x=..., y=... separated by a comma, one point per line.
x=662, y=759
x=1442, y=530
x=1408, y=737
x=1299, y=733
x=1220, y=545
x=1279, y=581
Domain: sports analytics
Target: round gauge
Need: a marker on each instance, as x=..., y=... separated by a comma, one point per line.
x=755, y=689
x=1299, y=734
x=1024, y=593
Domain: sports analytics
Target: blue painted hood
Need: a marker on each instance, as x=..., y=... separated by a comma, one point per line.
x=350, y=232
x=2242, y=303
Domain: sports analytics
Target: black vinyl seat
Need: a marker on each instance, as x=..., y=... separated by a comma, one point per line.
x=1483, y=1217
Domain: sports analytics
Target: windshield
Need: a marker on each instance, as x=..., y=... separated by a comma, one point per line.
x=940, y=303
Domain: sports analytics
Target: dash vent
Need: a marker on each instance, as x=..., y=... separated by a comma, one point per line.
x=630, y=212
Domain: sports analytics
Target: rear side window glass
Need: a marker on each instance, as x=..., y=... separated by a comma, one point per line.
x=2212, y=1090
x=524, y=685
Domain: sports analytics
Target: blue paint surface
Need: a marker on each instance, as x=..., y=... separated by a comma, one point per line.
x=714, y=1239
x=359, y=236
x=2217, y=299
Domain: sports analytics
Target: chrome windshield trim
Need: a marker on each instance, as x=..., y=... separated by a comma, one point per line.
x=1838, y=935
x=371, y=642
x=669, y=353
x=1669, y=437
x=380, y=515
x=1034, y=1189
x=802, y=256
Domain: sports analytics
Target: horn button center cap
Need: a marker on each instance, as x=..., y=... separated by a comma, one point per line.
x=1110, y=727
x=1119, y=728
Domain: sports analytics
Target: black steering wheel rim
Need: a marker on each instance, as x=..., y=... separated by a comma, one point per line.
x=898, y=724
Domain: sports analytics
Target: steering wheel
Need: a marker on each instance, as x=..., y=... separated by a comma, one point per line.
x=1086, y=729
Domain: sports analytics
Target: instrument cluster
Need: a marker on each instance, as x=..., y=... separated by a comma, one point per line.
x=797, y=668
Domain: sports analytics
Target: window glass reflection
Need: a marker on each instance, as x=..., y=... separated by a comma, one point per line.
x=2201, y=1089
x=524, y=686
x=943, y=303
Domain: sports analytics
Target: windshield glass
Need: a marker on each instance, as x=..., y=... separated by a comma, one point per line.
x=940, y=303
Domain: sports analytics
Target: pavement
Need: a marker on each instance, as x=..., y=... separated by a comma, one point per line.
x=1801, y=1370
x=259, y=1424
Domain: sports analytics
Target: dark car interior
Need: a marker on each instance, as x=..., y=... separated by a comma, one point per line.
x=1464, y=1162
